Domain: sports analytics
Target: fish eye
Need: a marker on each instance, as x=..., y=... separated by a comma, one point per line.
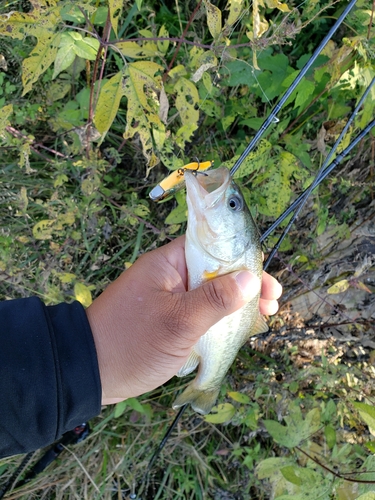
x=235, y=203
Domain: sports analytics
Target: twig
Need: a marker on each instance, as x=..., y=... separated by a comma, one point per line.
x=371, y=19
x=336, y=474
x=180, y=42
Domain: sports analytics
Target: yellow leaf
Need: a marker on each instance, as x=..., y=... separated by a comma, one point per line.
x=186, y=102
x=64, y=220
x=260, y=26
x=213, y=19
x=42, y=230
x=221, y=413
x=234, y=11
x=13, y=23
x=139, y=50
x=275, y=4
x=5, y=113
x=143, y=103
x=82, y=294
x=66, y=277
x=177, y=71
x=339, y=287
x=115, y=8
x=23, y=201
x=40, y=59
x=108, y=103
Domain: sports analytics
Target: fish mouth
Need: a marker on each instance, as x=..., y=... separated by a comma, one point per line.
x=208, y=188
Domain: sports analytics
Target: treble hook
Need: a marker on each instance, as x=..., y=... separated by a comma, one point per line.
x=196, y=171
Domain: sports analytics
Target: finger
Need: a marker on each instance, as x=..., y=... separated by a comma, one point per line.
x=209, y=303
x=271, y=288
x=268, y=307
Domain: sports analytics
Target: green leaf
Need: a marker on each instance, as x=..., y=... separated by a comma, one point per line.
x=177, y=215
x=87, y=48
x=297, y=429
x=367, y=413
x=305, y=92
x=120, y=408
x=270, y=466
x=221, y=414
x=64, y=58
x=279, y=194
x=66, y=277
x=330, y=434
x=239, y=397
x=238, y=73
x=163, y=45
x=280, y=434
x=370, y=495
x=82, y=293
x=135, y=405
x=290, y=472
x=254, y=161
x=115, y=8
x=108, y=103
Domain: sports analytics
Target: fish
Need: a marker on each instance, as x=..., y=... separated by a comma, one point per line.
x=221, y=237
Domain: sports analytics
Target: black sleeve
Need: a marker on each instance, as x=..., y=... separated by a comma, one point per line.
x=49, y=374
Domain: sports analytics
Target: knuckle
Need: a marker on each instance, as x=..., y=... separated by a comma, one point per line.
x=218, y=296
x=177, y=324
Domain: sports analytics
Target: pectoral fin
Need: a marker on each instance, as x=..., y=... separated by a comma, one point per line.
x=190, y=365
x=260, y=326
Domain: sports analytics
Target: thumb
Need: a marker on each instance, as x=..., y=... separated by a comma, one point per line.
x=219, y=297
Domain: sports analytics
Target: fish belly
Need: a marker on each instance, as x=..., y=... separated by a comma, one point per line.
x=216, y=350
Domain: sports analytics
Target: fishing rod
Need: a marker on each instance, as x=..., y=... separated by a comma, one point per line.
x=272, y=118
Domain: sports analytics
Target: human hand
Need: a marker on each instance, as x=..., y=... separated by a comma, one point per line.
x=146, y=323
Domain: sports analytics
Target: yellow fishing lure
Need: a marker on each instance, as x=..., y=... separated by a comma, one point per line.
x=175, y=180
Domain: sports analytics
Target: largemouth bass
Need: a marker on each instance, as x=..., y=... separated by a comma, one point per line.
x=221, y=237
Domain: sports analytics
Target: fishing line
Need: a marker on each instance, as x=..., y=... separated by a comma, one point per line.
x=290, y=90
x=323, y=172
x=318, y=180
x=303, y=198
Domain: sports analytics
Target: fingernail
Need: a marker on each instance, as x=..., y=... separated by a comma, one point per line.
x=248, y=283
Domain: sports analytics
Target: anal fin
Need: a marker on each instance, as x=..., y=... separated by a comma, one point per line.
x=190, y=365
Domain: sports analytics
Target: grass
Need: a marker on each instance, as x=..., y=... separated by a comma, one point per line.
x=319, y=355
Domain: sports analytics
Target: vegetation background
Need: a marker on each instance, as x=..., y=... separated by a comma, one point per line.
x=99, y=99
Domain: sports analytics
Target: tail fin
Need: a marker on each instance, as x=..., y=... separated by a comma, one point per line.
x=201, y=401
